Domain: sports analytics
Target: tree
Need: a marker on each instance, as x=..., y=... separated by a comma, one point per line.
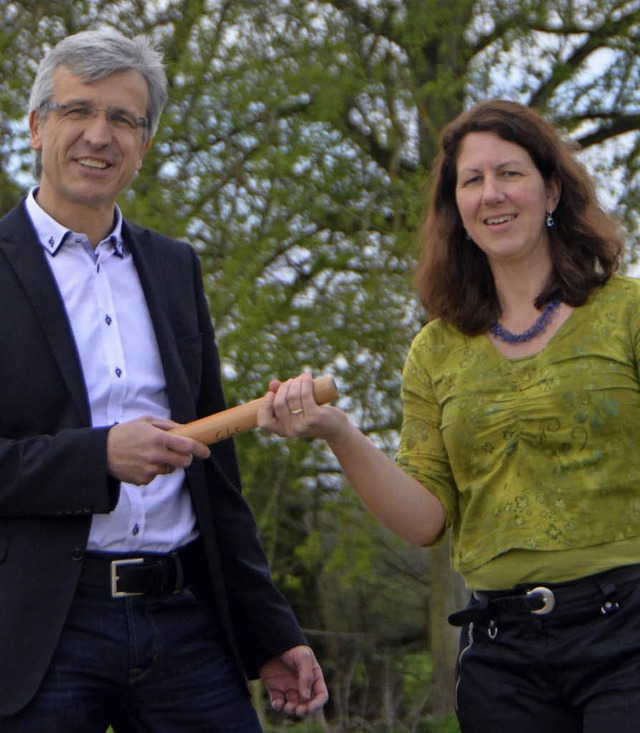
x=295, y=155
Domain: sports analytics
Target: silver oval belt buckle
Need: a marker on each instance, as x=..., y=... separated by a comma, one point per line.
x=549, y=600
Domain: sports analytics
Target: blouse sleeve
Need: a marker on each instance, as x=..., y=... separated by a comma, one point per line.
x=422, y=452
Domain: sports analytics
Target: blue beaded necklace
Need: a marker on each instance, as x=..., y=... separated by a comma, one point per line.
x=538, y=327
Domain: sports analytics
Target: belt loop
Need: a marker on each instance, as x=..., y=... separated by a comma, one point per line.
x=481, y=599
x=606, y=585
x=179, y=579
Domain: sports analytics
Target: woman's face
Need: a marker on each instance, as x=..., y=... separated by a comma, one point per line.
x=503, y=199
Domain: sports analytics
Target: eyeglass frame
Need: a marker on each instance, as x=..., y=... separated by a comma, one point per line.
x=141, y=123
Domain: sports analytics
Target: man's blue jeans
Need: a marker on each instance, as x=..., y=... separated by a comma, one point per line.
x=142, y=663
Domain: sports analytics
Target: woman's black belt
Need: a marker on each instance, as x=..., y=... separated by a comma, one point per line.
x=541, y=600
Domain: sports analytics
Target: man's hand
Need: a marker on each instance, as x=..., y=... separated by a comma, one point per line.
x=295, y=682
x=140, y=450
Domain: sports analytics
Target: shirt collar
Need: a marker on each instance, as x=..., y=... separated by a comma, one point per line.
x=51, y=234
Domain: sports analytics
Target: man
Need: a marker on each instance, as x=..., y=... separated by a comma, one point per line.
x=133, y=588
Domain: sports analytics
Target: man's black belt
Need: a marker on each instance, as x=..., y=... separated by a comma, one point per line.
x=133, y=575
x=541, y=600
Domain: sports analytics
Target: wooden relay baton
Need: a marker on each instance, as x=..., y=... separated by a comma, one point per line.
x=241, y=418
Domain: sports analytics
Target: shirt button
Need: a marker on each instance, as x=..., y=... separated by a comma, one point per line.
x=107, y=319
x=135, y=530
x=118, y=372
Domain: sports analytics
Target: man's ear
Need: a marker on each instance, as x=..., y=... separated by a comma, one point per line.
x=142, y=152
x=35, y=125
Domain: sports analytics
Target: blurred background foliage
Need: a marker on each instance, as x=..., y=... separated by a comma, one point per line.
x=294, y=155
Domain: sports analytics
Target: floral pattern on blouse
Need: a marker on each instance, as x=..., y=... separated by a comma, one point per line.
x=537, y=453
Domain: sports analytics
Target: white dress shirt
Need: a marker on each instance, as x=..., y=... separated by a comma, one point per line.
x=123, y=374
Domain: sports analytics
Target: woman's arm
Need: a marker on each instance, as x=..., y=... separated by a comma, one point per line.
x=400, y=502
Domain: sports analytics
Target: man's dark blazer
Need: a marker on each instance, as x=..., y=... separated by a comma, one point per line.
x=53, y=466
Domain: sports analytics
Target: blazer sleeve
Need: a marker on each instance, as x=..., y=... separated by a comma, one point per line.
x=264, y=623
x=61, y=475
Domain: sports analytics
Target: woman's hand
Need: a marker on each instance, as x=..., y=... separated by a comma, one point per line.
x=399, y=501
x=290, y=410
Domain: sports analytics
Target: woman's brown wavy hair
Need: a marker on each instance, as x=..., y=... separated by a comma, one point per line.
x=453, y=278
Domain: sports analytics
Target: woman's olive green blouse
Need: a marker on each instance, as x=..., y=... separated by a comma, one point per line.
x=532, y=455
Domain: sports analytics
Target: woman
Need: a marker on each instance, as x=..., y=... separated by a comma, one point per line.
x=521, y=423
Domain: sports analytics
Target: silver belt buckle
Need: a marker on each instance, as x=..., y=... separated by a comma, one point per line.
x=548, y=598
x=115, y=564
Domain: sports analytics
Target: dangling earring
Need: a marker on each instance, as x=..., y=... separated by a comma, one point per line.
x=467, y=236
x=549, y=220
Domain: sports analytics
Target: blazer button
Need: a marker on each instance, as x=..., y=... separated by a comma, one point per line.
x=77, y=554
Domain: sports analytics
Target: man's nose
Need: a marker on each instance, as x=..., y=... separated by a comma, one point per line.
x=97, y=128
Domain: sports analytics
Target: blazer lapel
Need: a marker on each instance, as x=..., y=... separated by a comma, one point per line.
x=27, y=258
x=154, y=285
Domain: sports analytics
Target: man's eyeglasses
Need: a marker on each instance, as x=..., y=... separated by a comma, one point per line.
x=119, y=119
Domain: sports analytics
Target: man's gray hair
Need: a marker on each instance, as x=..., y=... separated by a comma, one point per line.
x=96, y=54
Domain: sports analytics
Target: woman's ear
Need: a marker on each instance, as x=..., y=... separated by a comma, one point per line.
x=554, y=190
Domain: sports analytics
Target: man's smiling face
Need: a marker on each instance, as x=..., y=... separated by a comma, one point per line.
x=88, y=162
